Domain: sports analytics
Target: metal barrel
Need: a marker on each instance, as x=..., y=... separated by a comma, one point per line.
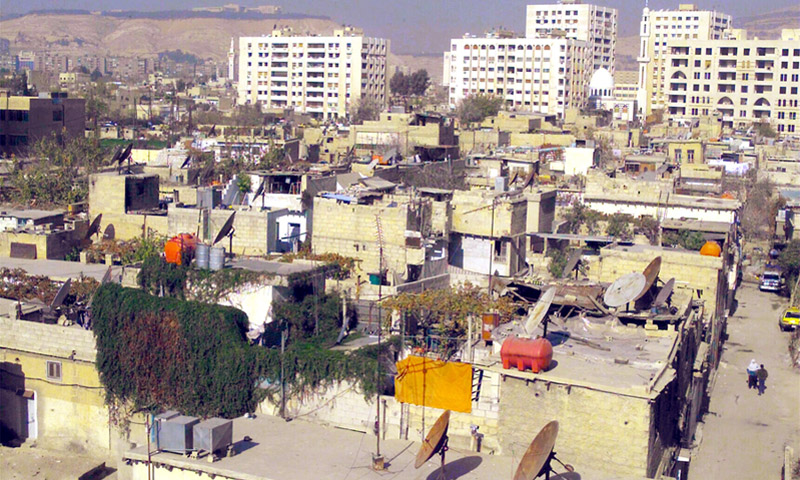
x=201, y=255
x=217, y=258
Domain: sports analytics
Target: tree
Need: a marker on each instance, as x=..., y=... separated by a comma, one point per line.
x=399, y=84
x=619, y=226
x=418, y=82
x=367, y=108
x=764, y=129
x=685, y=239
x=759, y=210
x=649, y=227
x=789, y=259
x=475, y=108
x=244, y=184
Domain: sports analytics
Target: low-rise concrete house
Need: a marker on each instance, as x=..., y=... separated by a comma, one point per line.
x=488, y=232
x=129, y=204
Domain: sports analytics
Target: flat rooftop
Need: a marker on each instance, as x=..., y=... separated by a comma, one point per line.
x=61, y=270
x=30, y=214
x=277, y=268
x=299, y=450
x=603, y=354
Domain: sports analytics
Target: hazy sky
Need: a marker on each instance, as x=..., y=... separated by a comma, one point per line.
x=414, y=26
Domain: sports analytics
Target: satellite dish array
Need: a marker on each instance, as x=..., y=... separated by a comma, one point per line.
x=534, y=464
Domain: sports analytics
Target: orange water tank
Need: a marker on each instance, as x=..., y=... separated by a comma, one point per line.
x=524, y=353
x=179, y=246
x=711, y=249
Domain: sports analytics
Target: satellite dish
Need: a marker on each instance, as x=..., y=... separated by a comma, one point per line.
x=650, y=274
x=94, y=227
x=529, y=180
x=187, y=161
x=574, y=258
x=539, y=310
x=537, y=457
x=117, y=154
x=260, y=189
x=624, y=289
x=110, y=232
x=124, y=155
x=435, y=442
x=61, y=294
x=226, y=229
x=514, y=177
x=213, y=131
x=664, y=293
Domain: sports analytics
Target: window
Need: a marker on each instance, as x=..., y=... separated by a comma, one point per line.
x=58, y=115
x=54, y=371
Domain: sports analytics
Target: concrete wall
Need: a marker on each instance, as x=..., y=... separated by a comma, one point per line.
x=71, y=412
x=597, y=430
x=251, y=227
x=351, y=230
x=472, y=215
x=52, y=246
x=541, y=212
x=343, y=406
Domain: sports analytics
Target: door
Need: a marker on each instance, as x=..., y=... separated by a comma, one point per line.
x=33, y=424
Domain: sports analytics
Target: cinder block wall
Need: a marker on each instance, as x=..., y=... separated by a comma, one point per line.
x=597, y=430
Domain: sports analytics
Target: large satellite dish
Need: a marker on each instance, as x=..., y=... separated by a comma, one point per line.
x=664, y=293
x=572, y=263
x=435, y=442
x=539, y=310
x=94, y=227
x=650, y=274
x=625, y=289
x=227, y=229
x=538, y=453
x=61, y=295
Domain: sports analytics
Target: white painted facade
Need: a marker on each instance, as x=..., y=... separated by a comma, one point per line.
x=318, y=75
x=544, y=75
x=581, y=21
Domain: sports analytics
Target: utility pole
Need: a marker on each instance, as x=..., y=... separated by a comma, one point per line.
x=377, y=459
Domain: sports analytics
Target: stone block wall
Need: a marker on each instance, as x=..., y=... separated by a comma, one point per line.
x=343, y=406
x=351, y=230
x=597, y=430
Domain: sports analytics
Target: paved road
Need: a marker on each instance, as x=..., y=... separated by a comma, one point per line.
x=744, y=434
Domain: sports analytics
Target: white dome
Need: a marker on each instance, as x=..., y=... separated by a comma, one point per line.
x=602, y=80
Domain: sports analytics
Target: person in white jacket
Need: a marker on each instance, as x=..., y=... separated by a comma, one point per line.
x=752, y=382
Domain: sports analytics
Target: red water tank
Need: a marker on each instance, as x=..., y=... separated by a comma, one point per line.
x=179, y=246
x=533, y=353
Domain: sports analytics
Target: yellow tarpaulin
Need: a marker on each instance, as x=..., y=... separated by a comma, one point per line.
x=434, y=383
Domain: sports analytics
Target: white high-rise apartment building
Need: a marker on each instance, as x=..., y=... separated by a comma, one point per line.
x=743, y=81
x=546, y=75
x=318, y=75
x=580, y=21
x=658, y=27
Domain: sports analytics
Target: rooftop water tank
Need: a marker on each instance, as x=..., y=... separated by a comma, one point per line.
x=524, y=353
x=711, y=249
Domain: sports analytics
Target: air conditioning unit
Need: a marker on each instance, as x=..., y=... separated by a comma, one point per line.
x=175, y=434
x=213, y=435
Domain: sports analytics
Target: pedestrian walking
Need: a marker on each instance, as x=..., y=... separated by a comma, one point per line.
x=761, y=375
x=751, y=374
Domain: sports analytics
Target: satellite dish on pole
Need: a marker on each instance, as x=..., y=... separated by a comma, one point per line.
x=61, y=295
x=226, y=230
x=624, y=290
x=539, y=310
x=435, y=442
x=536, y=460
x=650, y=273
x=664, y=293
x=94, y=227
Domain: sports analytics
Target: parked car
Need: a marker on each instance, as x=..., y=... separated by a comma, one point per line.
x=790, y=319
x=772, y=281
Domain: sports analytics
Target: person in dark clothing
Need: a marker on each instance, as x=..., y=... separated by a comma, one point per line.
x=761, y=375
